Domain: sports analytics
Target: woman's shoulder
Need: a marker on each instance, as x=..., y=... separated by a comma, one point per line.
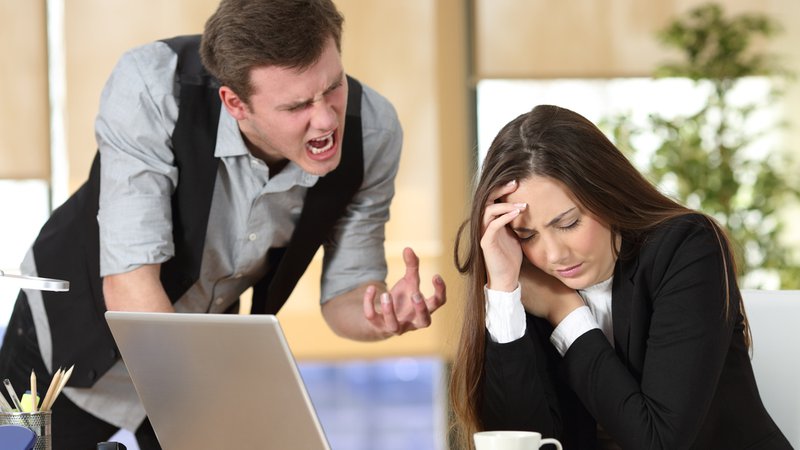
x=689, y=223
x=691, y=234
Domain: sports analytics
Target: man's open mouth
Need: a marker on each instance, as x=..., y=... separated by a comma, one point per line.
x=321, y=145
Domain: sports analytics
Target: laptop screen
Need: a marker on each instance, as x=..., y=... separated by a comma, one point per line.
x=215, y=381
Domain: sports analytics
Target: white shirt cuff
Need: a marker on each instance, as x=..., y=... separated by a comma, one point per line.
x=572, y=327
x=505, y=315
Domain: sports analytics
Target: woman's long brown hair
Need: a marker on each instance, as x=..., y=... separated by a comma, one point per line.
x=560, y=144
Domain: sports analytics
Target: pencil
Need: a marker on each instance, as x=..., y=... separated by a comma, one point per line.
x=51, y=389
x=61, y=383
x=12, y=394
x=33, y=392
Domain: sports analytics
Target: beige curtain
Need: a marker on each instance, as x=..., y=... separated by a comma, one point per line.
x=590, y=38
x=24, y=115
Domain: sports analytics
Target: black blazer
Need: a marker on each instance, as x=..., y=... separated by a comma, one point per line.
x=677, y=377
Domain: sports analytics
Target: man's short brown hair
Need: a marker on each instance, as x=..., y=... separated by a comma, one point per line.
x=244, y=34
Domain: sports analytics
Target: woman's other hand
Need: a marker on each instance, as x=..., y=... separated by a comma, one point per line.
x=545, y=296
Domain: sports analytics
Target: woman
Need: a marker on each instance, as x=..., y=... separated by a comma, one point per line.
x=600, y=312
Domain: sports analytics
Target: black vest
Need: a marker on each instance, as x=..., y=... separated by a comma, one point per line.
x=68, y=244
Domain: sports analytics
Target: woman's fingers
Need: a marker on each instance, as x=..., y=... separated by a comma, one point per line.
x=495, y=208
x=501, y=191
x=499, y=215
x=505, y=212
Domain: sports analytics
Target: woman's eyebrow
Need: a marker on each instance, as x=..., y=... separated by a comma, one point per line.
x=552, y=222
x=559, y=217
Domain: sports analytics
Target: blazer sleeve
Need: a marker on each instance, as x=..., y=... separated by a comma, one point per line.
x=518, y=391
x=680, y=275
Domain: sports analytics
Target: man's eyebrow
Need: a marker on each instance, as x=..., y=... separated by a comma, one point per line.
x=307, y=101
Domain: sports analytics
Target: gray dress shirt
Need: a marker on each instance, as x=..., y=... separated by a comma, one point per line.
x=251, y=211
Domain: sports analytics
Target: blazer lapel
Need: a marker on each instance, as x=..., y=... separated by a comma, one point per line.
x=622, y=292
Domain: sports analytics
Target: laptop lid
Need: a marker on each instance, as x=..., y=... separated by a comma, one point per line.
x=213, y=381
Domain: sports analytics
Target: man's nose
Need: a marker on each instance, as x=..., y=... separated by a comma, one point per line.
x=324, y=116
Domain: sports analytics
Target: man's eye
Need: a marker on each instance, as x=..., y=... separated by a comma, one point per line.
x=334, y=87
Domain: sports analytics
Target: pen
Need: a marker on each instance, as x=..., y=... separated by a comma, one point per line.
x=35, y=407
x=4, y=406
x=12, y=394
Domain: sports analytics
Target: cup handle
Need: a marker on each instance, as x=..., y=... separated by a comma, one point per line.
x=551, y=441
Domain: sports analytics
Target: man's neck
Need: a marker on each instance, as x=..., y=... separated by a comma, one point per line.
x=275, y=165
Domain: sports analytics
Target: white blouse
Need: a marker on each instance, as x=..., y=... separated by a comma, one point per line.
x=505, y=316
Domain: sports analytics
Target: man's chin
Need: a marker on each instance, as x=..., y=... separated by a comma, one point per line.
x=323, y=167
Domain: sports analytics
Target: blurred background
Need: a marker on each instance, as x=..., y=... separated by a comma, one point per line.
x=456, y=71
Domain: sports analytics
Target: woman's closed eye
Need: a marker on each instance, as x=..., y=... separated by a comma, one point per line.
x=570, y=224
x=524, y=236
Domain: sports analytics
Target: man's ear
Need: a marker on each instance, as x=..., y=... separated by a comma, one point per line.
x=233, y=103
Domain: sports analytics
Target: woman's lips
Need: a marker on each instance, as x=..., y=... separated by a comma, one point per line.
x=570, y=272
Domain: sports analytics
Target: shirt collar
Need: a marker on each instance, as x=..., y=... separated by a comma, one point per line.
x=229, y=138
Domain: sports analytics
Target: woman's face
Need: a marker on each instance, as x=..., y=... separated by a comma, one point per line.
x=559, y=237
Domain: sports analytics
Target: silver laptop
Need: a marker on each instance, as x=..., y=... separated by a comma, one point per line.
x=217, y=381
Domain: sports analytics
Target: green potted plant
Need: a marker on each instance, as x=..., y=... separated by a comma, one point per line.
x=712, y=159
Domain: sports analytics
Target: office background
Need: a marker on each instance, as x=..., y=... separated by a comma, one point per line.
x=427, y=56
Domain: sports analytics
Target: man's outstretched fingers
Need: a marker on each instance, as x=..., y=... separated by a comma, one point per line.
x=387, y=311
x=422, y=316
x=439, y=297
x=369, y=303
x=412, y=265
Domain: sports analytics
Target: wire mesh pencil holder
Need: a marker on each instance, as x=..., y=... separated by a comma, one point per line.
x=38, y=422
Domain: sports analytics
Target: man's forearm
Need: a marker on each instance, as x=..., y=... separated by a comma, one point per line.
x=137, y=290
x=345, y=314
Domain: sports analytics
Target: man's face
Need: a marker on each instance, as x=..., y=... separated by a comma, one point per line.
x=295, y=115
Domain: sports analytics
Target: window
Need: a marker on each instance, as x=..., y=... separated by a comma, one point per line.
x=25, y=209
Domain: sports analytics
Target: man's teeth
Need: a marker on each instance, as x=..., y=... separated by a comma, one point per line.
x=317, y=146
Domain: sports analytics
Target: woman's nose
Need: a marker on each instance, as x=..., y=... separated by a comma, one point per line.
x=555, y=250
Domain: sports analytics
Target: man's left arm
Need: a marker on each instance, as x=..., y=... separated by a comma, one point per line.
x=355, y=300
x=370, y=312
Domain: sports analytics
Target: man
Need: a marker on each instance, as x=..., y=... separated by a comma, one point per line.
x=212, y=178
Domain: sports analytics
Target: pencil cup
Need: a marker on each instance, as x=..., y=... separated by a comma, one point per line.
x=39, y=422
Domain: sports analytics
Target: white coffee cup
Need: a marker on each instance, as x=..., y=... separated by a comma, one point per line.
x=511, y=440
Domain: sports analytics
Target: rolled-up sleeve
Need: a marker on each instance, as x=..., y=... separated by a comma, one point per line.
x=355, y=254
x=137, y=115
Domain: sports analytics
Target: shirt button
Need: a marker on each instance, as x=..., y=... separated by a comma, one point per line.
x=252, y=236
x=219, y=300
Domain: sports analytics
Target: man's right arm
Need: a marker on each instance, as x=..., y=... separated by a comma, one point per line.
x=137, y=290
x=137, y=114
